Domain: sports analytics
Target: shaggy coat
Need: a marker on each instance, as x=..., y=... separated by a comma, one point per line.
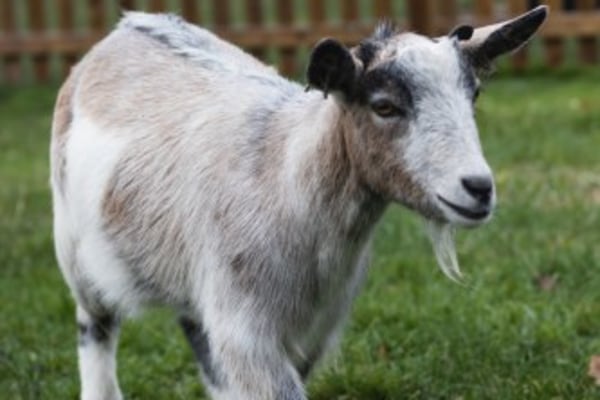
x=187, y=173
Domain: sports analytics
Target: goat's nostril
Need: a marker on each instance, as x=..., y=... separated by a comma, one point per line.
x=479, y=187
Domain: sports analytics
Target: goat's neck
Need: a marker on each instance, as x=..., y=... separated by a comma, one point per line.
x=325, y=169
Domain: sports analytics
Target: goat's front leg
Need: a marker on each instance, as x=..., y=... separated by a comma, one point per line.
x=238, y=365
x=97, y=348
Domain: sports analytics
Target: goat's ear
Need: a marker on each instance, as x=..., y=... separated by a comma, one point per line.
x=332, y=68
x=488, y=42
x=462, y=32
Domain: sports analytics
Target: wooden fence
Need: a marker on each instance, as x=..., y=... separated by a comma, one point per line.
x=569, y=20
x=41, y=39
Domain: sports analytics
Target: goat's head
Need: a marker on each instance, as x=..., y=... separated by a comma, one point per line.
x=410, y=101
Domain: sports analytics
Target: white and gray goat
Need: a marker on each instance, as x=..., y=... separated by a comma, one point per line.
x=187, y=173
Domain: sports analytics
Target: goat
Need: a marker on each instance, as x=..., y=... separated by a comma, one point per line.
x=187, y=173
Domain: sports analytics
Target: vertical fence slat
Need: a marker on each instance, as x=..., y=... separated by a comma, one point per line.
x=420, y=16
x=37, y=26
x=519, y=59
x=316, y=12
x=555, y=51
x=221, y=13
x=383, y=9
x=349, y=11
x=97, y=15
x=285, y=17
x=350, y=14
x=190, y=11
x=587, y=45
x=66, y=26
x=12, y=65
x=254, y=20
x=157, y=5
x=254, y=12
x=449, y=12
x=555, y=5
x=484, y=12
x=127, y=4
x=554, y=46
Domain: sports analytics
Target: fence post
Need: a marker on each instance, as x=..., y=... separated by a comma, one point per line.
x=127, y=4
x=519, y=59
x=157, y=5
x=97, y=15
x=316, y=12
x=190, y=11
x=484, y=12
x=37, y=25
x=588, y=45
x=449, y=12
x=254, y=20
x=383, y=9
x=349, y=11
x=65, y=27
x=221, y=13
x=420, y=16
x=285, y=17
x=554, y=46
x=12, y=61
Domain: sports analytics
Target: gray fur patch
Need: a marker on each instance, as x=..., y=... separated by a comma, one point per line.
x=394, y=80
x=305, y=368
x=99, y=330
x=264, y=141
x=199, y=341
x=289, y=390
x=148, y=234
x=174, y=33
x=385, y=30
x=367, y=51
x=467, y=74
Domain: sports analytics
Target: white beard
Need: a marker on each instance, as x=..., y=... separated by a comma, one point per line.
x=442, y=239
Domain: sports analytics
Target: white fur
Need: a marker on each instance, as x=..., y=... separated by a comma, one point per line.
x=447, y=117
x=98, y=368
x=92, y=156
x=198, y=178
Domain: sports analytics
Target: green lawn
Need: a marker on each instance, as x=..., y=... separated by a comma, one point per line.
x=413, y=334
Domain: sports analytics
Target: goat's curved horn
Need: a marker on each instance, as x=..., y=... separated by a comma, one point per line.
x=489, y=42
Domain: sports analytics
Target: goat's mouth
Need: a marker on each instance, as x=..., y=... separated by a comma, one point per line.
x=476, y=215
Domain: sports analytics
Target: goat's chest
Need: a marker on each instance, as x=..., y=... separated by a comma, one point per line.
x=339, y=278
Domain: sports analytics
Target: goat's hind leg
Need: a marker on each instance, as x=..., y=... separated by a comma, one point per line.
x=97, y=347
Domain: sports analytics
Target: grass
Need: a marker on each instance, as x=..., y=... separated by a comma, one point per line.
x=523, y=328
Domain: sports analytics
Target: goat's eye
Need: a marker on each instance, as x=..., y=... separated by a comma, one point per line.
x=386, y=109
